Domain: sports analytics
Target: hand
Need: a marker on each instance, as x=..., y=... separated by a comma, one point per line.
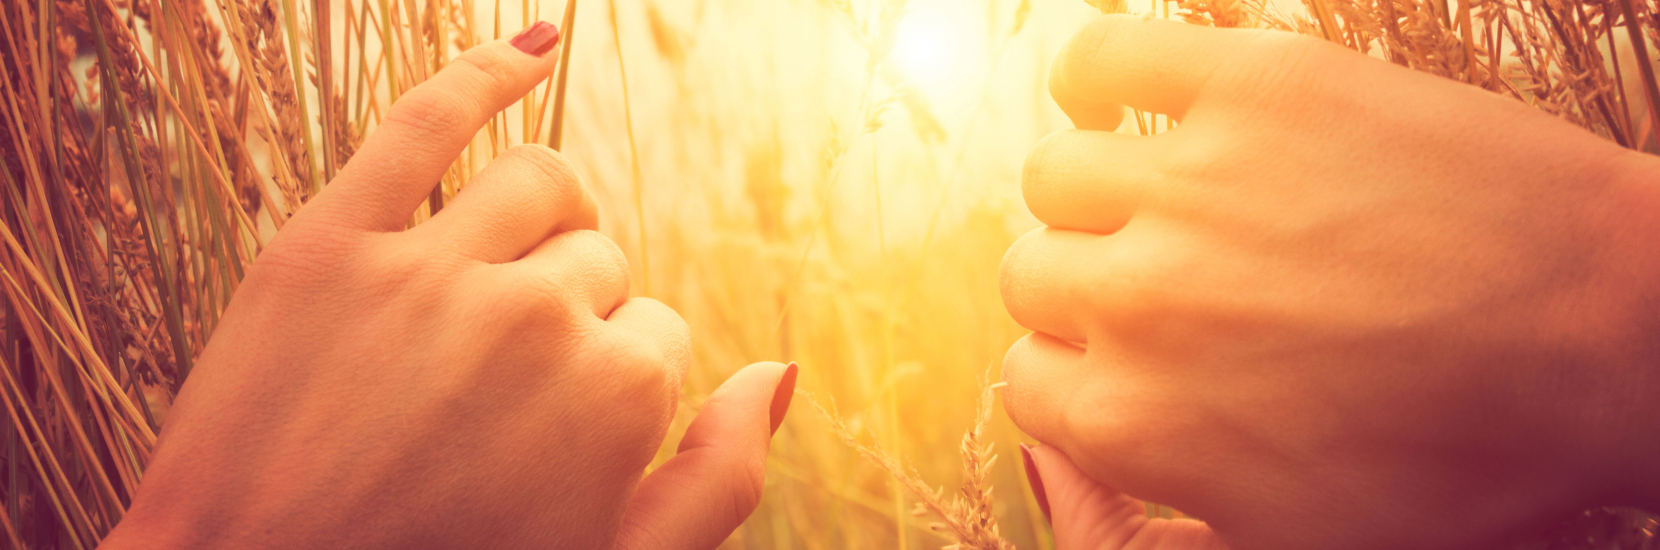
x=1343, y=305
x=481, y=380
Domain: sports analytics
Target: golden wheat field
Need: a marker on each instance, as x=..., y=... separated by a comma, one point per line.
x=830, y=182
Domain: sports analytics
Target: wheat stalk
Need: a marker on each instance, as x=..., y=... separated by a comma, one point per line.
x=967, y=518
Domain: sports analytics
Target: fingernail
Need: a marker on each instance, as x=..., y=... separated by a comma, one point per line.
x=781, y=396
x=1035, y=479
x=536, y=39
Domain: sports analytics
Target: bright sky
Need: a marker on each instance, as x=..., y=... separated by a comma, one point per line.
x=934, y=47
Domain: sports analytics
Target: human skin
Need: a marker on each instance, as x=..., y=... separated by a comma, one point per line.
x=479, y=381
x=1342, y=305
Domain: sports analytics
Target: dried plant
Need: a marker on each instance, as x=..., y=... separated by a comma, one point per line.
x=268, y=44
x=968, y=517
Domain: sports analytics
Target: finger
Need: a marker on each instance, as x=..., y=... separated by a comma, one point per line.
x=1083, y=513
x=1088, y=181
x=714, y=481
x=427, y=128
x=1102, y=408
x=1046, y=379
x=1086, y=113
x=583, y=268
x=1088, y=515
x=518, y=200
x=1052, y=278
x=1149, y=64
x=652, y=321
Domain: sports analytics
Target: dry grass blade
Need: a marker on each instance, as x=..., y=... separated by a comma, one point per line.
x=1639, y=46
x=276, y=76
x=633, y=151
x=567, y=28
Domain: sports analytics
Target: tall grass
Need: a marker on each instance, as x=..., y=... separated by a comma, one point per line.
x=829, y=181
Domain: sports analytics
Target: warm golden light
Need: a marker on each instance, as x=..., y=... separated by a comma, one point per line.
x=932, y=49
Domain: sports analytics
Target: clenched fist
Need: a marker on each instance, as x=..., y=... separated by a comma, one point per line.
x=479, y=381
x=1343, y=306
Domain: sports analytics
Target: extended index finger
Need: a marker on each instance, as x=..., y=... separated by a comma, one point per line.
x=429, y=126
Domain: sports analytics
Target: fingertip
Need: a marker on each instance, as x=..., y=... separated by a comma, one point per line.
x=1034, y=478
x=1086, y=111
x=424, y=131
x=734, y=412
x=536, y=40
x=716, y=477
x=1064, y=483
x=782, y=394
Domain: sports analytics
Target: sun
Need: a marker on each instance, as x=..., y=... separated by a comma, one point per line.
x=932, y=49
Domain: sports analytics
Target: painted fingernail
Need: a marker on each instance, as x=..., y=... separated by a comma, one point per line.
x=536, y=39
x=1035, y=479
x=781, y=396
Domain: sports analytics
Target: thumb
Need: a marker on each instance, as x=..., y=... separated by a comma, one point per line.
x=1090, y=516
x=714, y=481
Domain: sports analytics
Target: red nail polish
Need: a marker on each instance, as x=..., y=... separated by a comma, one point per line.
x=1035, y=479
x=781, y=396
x=536, y=39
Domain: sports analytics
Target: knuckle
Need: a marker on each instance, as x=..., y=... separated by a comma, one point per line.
x=310, y=244
x=537, y=301
x=591, y=255
x=668, y=320
x=1265, y=64
x=606, y=254
x=549, y=166
x=430, y=110
x=1012, y=270
x=1086, y=45
x=395, y=269
x=486, y=65
x=287, y=265
x=1039, y=160
x=409, y=259
x=1131, y=297
x=669, y=332
x=517, y=300
x=1017, y=373
x=1114, y=413
x=642, y=367
x=336, y=261
x=1148, y=307
x=588, y=266
x=1115, y=430
x=544, y=160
